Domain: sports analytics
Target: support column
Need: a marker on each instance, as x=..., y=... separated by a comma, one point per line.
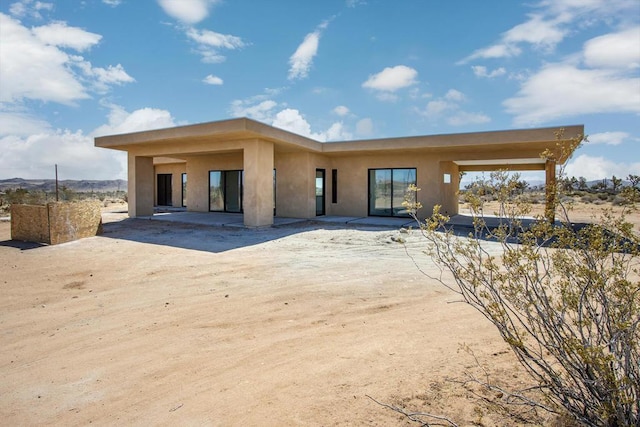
x=551, y=190
x=258, y=183
x=140, y=185
x=448, y=190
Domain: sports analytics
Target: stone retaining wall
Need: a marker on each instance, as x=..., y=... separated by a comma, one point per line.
x=56, y=222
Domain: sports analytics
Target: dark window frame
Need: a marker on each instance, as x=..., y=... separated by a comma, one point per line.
x=334, y=185
x=393, y=212
x=324, y=192
x=183, y=188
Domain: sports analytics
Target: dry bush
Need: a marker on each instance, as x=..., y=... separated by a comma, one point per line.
x=565, y=298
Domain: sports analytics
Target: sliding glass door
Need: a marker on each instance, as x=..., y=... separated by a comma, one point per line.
x=388, y=189
x=225, y=191
x=233, y=191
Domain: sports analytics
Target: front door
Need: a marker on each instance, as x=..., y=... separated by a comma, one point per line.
x=164, y=190
x=320, y=192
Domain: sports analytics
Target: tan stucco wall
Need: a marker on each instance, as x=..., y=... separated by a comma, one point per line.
x=293, y=185
x=353, y=180
x=258, y=160
x=140, y=185
x=176, y=170
x=295, y=180
x=295, y=193
x=448, y=191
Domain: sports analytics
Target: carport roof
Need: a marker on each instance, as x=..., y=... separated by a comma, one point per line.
x=241, y=129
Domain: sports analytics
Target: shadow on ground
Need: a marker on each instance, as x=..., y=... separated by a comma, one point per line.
x=214, y=239
x=23, y=246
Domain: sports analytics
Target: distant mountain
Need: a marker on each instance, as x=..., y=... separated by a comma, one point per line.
x=49, y=185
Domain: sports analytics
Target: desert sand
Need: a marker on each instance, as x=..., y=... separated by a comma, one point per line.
x=158, y=323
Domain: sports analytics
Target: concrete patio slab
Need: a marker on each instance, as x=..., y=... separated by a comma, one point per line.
x=460, y=222
x=383, y=221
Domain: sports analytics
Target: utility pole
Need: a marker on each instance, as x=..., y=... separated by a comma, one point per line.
x=56, y=182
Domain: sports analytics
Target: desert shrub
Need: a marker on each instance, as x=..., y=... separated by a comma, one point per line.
x=565, y=299
x=588, y=198
x=603, y=196
x=567, y=200
x=620, y=200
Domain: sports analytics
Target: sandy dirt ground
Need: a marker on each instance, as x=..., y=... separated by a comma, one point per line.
x=169, y=324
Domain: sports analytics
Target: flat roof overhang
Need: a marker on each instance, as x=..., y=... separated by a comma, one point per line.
x=471, y=151
x=210, y=134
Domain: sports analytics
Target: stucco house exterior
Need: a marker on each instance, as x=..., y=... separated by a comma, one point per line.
x=241, y=165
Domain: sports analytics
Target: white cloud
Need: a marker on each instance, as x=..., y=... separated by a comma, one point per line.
x=259, y=107
x=355, y=3
x=493, y=52
x=61, y=35
x=34, y=156
x=387, y=96
x=213, y=80
x=438, y=106
x=455, y=95
x=588, y=10
x=102, y=78
x=481, y=71
x=187, y=11
x=121, y=121
x=213, y=39
x=302, y=59
x=609, y=138
x=449, y=109
x=599, y=79
x=209, y=43
x=112, y=3
x=614, y=50
x=392, y=79
x=364, y=127
x=537, y=31
x=336, y=132
x=31, y=147
x=30, y=8
x=291, y=120
x=34, y=66
x=463, y=118
x=21, y=124
x=341, y=110
x=552, y=22
x=261, y=111
x=593, y=168
x=562, y=90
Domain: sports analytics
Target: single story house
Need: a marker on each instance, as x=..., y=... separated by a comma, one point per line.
x=241, y=165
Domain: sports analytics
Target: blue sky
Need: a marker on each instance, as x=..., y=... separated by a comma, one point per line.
x=71, y=70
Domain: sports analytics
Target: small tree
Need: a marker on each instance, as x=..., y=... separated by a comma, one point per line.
x=582, y=183
x=616, y=183
x=565, y=299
